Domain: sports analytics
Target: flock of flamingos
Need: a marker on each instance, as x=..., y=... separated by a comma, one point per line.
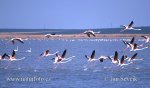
x=125, y=60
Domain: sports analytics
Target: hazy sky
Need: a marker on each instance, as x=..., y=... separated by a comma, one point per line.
x=74, y=14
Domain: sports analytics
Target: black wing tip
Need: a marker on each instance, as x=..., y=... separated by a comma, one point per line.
x=122, y=59
x=65, y=50
x=93, y=51
x=101, y=60
x=47, y=50
x=64, y=53
x=132, y=22
x=86, y=56
x=136, y=54
x=122, y=56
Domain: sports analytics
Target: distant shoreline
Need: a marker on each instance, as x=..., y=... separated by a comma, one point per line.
x=145, y=30
x=68, y=28
x=65, y=36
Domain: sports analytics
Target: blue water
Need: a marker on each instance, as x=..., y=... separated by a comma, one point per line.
x=145, y=30
x=73, y=73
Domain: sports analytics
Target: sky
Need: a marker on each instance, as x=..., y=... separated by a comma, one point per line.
x=73, y=14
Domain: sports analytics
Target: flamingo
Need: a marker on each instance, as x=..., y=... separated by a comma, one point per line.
x=61, y=59
x=102, y=58
x=127, y=43
x=3, y=56
x=12, y=57
x=46, y=53
x=121, y=62
x=133, y=58
x=147, y=38
x=129, y=27
x=91, y=58
x=134, y=47
x=13, y=40
x=52, y=35
x=90, y=32
x=114, y=59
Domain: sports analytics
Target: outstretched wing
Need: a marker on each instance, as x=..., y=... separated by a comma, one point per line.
x=64, y=53
x=144, y=37
x=132, y=41
x=133, y=57
x=41, y=53
x=93, y=54
x=116, y=56
x=20, y=40
x=92, y=34
x=13, y=42
x=88, y=34
x=123, y=26
x=131, y=24
x=86, y=56
x=135, y=46
x=4, y=55
x=47, y=51
x=13, y=54
x=122, y=59
x=125, y=43
x=109, y=58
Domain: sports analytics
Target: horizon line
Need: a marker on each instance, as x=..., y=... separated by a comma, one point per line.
x=69, y=28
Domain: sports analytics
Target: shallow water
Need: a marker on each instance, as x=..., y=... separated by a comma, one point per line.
x=77, y=73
